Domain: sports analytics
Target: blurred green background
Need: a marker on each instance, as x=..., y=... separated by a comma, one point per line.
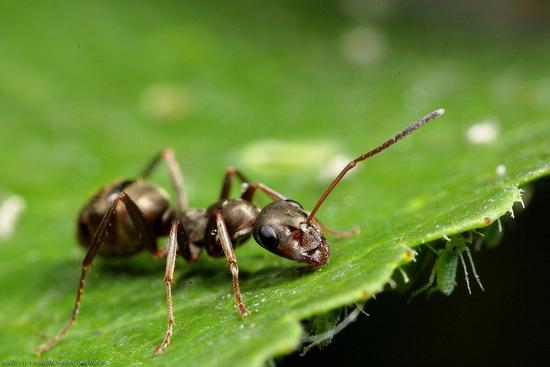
x=89, y=91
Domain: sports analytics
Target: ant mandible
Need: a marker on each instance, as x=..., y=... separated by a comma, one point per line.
x=128, y=216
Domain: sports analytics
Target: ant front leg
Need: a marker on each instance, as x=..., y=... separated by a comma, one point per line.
x=252, y=187
x=276, y=196
x=229, y=252
x=230, y=173
x=177, y=238
x=335, y=233
x=144, y=232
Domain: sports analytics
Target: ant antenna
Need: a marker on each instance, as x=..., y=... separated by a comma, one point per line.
x=429, y=117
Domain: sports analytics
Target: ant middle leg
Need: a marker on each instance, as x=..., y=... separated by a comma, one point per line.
x=144, y=232
x=229, y=252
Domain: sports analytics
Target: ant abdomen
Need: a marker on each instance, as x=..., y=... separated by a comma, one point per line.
x=122, y=238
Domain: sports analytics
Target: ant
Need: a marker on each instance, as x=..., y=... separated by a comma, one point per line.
x=128, y=216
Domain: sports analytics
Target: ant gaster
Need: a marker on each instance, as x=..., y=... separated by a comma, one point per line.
x=127, y=217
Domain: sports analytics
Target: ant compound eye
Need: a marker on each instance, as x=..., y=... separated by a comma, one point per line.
x=267, y=237
x=294, y=203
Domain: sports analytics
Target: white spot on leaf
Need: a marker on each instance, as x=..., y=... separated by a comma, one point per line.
x=165, y=102
x=10, y=211
x=482, y=133
x=272, y=155
x=334, y=166
x=363, y=45
x=501, y=170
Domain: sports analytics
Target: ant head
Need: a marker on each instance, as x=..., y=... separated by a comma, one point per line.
x=286, y=230
x=282, y=227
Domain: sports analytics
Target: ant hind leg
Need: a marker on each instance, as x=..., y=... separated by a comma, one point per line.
x=145, y=233
x=97, y=240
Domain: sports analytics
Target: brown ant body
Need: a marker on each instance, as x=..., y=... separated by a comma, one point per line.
x=127, y=217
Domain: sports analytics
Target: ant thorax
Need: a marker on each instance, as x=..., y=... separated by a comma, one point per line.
x=239, y=217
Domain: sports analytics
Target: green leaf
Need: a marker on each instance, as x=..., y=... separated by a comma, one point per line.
x=90, y=91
